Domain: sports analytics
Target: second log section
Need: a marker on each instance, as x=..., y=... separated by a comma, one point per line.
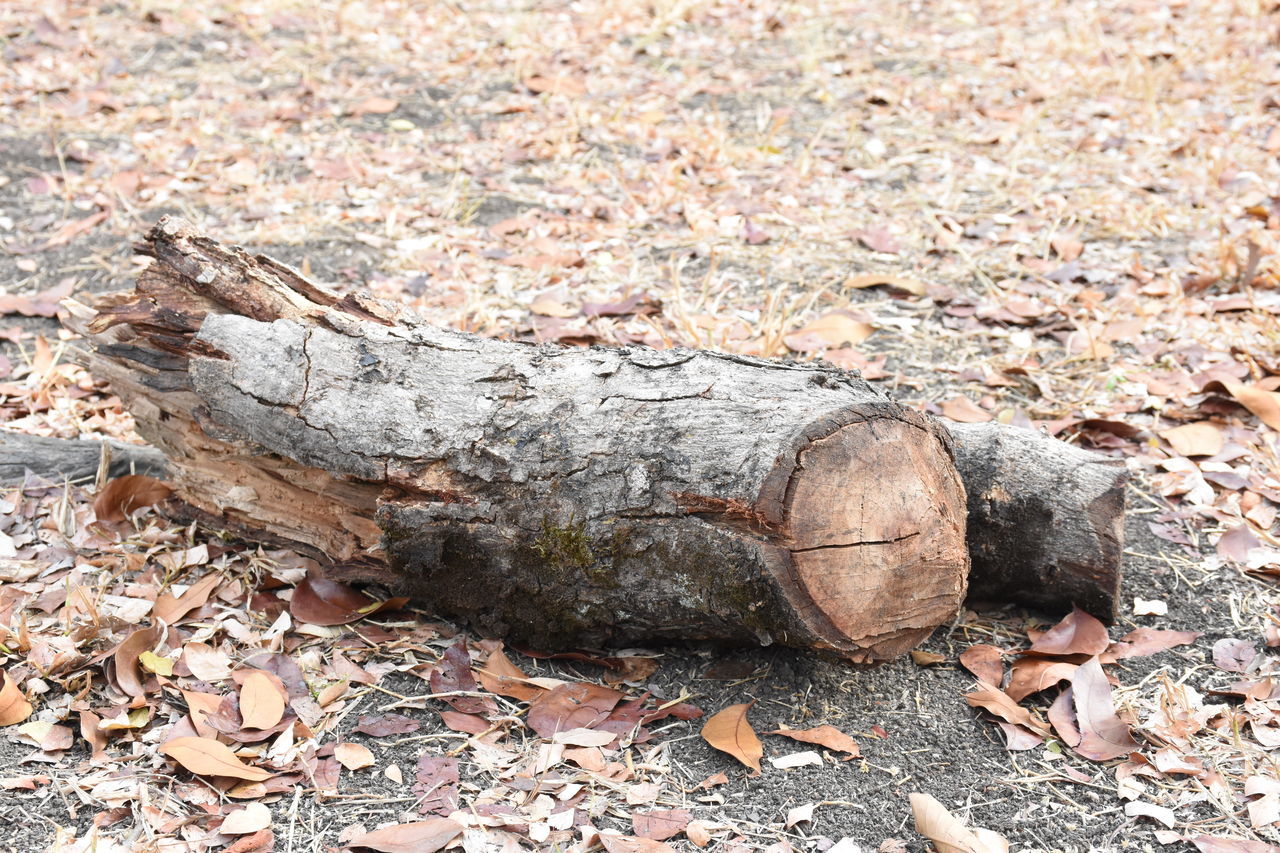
x=555, y=495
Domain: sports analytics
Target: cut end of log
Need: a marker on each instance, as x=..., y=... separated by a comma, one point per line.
x=883, y=561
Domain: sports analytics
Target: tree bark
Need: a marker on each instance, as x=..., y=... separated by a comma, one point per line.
x=1046, y=519
x=75, y=460
x=551, y=495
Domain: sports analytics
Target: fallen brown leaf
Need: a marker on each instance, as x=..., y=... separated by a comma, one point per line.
x=1103, y=735
x=1198, y=439
x=423, y=836
x=985, y=661
x=828, y=736
x=948, y=833
x=730, y=731
x=1077, y=634
x=998, y=702
x=124, y=494
x=14, y=707
x=660, y=824
x=208, y=757
x=261, y=701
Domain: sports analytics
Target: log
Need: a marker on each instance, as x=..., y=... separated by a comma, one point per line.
x=74, y=460
x=588, y=496
x=1045, y=519
x=551, y=495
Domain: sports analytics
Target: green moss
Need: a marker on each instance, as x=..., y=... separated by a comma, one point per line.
x=565, y=547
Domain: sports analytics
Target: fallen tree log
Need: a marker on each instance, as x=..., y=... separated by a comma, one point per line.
x=551, y=495
x=74, y=460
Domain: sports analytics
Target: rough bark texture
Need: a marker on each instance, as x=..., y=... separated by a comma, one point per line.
x=76, y=460
x=551, y=495
x=1046, y=519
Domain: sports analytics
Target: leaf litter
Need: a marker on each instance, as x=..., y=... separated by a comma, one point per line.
x=1116, y=288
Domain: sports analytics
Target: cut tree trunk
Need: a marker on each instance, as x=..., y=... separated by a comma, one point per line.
x=1046, y=519
x=547, y=494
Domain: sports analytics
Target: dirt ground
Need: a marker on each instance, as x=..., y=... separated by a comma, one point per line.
x=1076, y=198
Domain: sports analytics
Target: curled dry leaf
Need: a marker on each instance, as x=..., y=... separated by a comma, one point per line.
x=965, y=411
x=1261, y=401
x=128, y=673
x=261, y=701
x=998, y=702
x=894, y=282
x=828, y=736
x=423, y=836
x=14, y=707
x=985, y=661
x=124, y=494
x=1031, y=675
x=1077, y=634
x=948, y=833
x=320, y=601
x=729, y=731
x=499, y=675
x=207, y=757
x=1103, y=735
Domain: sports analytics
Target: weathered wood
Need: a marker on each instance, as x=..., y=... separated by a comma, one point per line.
x=551, y=495
x=1046, y=519
x=75, y=460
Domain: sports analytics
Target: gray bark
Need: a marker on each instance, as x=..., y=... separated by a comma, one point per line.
x=75, y=460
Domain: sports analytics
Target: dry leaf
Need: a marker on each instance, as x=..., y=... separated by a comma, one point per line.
x=830, y=331
x=998, y=702
x=660, y=824
x=907, y=285
x=353, y=756
x=208, y=757
x=320, y=601
x=1103, y=735
x=1077, y=634
x=252, y=818
x=261, y=701
x=128, y=675
x=1031, y=675
x=124, y=494
x=965, y=411
x=169, y=609
x=385, y=725
x=948, y=833
x=1199, y=439
x=546, y=306
x=630, y=844
x=571, y=706
x=922, y=658
x=14, y=707
x=985, y=661
x=377, y=106
x=1263, y=403
x=1156, y=813
x=828, y=736
x=423, y=836
x=729, y=731
x=1147, y=641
